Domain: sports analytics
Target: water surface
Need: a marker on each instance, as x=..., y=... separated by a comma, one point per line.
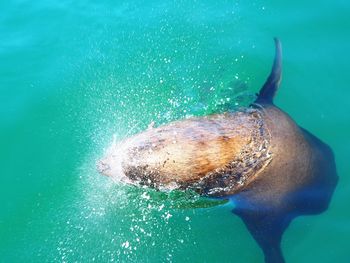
x=73, y=73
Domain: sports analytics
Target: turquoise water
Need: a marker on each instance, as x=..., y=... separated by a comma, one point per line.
x=73, y=73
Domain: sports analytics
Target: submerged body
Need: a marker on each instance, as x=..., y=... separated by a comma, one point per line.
x=257, y=157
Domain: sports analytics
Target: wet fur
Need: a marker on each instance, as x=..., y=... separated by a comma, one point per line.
x=214, y=155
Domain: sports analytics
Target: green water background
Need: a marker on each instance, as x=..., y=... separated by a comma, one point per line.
x=73, y=73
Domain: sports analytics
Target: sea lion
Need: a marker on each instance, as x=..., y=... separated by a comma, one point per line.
x=258, y=157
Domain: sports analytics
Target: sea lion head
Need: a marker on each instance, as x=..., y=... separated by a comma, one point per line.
x=215, y=155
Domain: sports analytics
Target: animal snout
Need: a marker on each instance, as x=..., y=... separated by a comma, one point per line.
x=102, y=166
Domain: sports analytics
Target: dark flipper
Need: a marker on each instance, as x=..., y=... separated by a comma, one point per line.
x=270, y=87
x=267, y=228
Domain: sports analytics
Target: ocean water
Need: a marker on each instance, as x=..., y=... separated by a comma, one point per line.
x=75, y=73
